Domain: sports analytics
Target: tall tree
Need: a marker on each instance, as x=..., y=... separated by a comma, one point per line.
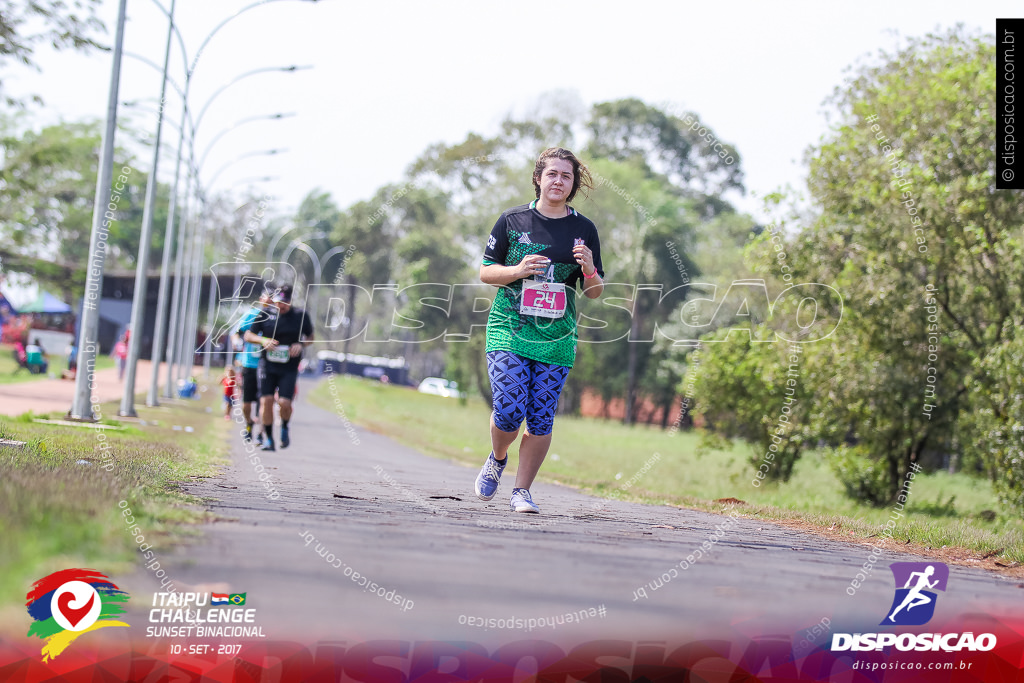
x=928, y=255
x=658, y=180
x=371, y=239
x=47, y=190
x=685, y=150
x=639, y=217
x=23, y=25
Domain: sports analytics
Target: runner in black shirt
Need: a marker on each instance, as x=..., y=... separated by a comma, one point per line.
x=283, y=337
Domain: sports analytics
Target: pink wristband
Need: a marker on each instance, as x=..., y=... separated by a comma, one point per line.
x=591, y=276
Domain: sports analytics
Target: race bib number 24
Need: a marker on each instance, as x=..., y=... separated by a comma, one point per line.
x=543, y=299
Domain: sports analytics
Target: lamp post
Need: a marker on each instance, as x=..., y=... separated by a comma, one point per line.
x=176, y=354
x=212, y=292
x=176, y=296
x=211, y=298
x=236, y=124
x=142, y=263
x=180, y=307
x=162, y=298
x=81, y=406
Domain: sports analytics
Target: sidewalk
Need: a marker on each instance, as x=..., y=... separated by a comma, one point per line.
x=56, y=395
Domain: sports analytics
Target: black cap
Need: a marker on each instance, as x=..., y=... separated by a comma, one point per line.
x=283, y=295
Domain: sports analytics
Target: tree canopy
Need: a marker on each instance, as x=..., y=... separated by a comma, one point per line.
x=24, y=25
x=907, y=224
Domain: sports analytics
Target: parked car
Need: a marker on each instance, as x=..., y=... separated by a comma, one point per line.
x=440, y=387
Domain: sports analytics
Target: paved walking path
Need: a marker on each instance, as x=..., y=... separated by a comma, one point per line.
x=370, y=507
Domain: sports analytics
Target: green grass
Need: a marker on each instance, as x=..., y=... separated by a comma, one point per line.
x=60, y=513
x=601, y=456
x=10, y=374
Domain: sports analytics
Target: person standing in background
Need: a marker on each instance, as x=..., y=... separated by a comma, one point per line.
x=230, y=384
x=120, y=354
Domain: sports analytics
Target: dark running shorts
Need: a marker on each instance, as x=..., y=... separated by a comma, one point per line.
x=283, y=382
x=250, y=385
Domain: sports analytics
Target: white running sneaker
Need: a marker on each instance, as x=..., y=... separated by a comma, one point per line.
x=522, y=502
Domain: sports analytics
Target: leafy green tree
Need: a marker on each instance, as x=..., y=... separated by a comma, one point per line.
x=433, y=260
x=47, y=190
x=927, y=254
x=317, y=216
x=684, y=150
x=124, y=234
x=759, y=392
x=638, y=216
x=372, y=260
x=23, y=25
x=658, y=180
x=995, y=426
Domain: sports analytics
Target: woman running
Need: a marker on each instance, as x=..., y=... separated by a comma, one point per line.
x=537, y=254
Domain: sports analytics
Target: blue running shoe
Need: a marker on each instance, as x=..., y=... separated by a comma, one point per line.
x=285, y=441
x=522, y=502
x=487, y=480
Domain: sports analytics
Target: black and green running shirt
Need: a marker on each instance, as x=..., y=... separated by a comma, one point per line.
x=522, y=231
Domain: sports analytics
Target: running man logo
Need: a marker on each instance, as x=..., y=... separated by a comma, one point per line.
x=914, y=603
x=71, y=603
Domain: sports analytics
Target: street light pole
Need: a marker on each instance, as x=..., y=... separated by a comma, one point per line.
x=210, y=306
x=208, y=341
x=187, y=229
x=81, y=406
x=165, y=266
x=195, y=297
x=138, y=316
x=191, y=263
x=176, y=305
x=180, y=285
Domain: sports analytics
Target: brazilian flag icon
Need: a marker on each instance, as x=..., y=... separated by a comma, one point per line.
x=237, y=598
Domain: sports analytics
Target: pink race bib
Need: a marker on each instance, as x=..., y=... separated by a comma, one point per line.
x=543, y=299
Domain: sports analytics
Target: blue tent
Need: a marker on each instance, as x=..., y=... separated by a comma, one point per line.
x=6, y=309
x=46, y=303
x=5, y=306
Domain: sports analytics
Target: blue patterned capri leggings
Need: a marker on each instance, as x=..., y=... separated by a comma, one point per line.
x=524, y=389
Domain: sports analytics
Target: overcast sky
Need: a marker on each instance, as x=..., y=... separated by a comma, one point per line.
x=390, y=78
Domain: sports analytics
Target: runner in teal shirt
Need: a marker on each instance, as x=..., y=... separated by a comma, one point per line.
x=250, y=358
